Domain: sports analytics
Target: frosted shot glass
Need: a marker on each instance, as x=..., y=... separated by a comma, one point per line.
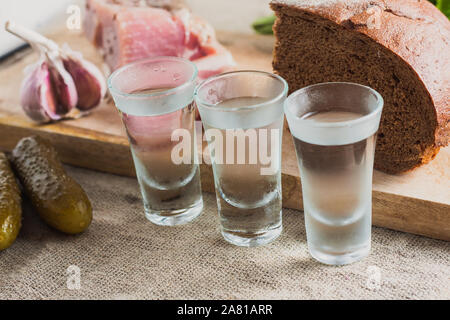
x=334, y=129
x=154, y=97
x=242, y=113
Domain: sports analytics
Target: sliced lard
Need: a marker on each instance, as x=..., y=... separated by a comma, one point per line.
x=126, y=31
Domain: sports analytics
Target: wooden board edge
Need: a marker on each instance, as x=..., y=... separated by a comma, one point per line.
x=417, y=216
x=96, y=147
x=388, y=210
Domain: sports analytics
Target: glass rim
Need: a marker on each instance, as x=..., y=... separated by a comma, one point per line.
x=114, y=90
x=202, y=103
x=337, y=124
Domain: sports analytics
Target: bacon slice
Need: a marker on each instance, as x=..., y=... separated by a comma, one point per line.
x=126, y=31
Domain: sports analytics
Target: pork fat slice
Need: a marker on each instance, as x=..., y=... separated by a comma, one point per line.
x=125, y=33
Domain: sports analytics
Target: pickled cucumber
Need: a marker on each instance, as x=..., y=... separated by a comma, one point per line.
x=10, y=207
x=59, y=200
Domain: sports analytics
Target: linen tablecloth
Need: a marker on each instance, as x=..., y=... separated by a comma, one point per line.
x=124, y=256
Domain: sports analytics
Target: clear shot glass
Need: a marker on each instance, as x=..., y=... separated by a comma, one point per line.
x=334, y=129
x=154, y=97
x=242, y=113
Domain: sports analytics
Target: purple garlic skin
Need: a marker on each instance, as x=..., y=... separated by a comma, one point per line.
x=89, y=82
x=63, y=85
x=36, y=94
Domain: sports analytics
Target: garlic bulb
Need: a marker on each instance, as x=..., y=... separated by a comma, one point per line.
x=61, y=81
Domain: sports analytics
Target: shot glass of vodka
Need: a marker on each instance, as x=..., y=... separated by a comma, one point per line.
x=242, y=113
x=154, y=97
x=334, y=129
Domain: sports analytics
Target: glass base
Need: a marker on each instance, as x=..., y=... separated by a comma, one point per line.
x=261, y=239
x=340, y=259
x=174, y=217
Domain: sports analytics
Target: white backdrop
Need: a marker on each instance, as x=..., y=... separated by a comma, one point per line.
x=233, y=15
x=42, y=15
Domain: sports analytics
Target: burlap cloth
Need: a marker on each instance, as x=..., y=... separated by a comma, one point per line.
x=122, y=256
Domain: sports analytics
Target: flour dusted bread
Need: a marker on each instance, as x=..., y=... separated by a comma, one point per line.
x=400, y=48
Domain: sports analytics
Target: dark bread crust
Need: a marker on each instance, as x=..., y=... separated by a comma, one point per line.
x=403, y=52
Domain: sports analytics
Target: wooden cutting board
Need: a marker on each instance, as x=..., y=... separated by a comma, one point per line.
x=416, y=202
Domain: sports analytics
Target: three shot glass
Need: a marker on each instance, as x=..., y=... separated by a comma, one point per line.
x=333, y=126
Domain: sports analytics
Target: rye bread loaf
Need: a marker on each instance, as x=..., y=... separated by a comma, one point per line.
x=400, y=48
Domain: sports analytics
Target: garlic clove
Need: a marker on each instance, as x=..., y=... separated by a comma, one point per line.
x=36, y=94
x=89, y=80
x=63, y=84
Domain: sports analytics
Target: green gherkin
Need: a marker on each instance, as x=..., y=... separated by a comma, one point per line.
x=59, y=200
x=10, y=206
